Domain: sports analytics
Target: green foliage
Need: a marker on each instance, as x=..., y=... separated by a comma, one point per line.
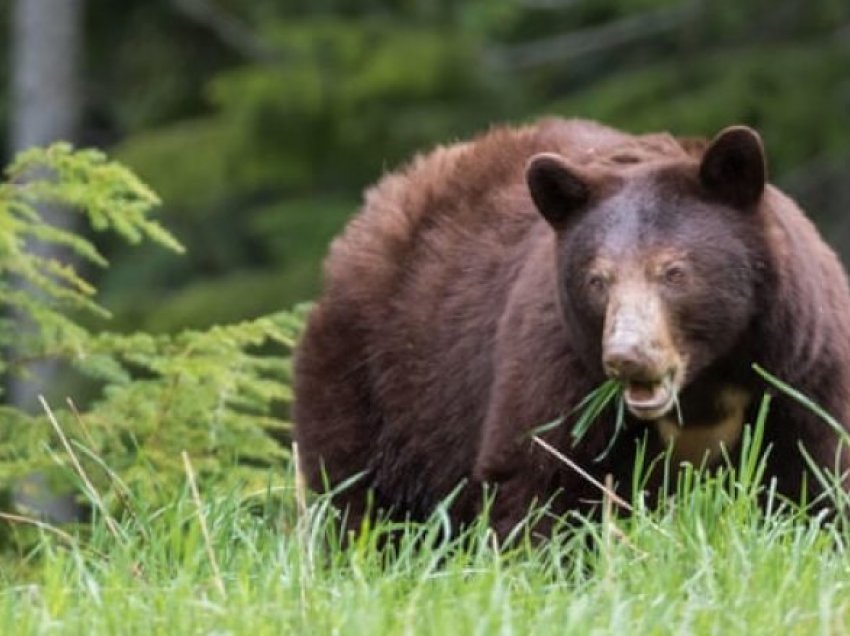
x=217, y=394
x=188, y=186
x=701, y=97
x=288, y=144
x=336, y=86
x=40, y=289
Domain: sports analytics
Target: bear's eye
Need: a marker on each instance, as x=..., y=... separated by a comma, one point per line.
x=597, y=283
x=675, y=274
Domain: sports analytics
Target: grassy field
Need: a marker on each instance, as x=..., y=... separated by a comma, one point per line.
x=709, y=562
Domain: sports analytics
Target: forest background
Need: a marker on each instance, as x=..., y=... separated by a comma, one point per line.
x=259, y=123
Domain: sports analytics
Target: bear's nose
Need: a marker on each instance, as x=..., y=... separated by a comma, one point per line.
x=628, y=361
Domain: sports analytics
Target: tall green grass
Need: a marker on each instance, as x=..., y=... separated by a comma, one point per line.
x=723, y=554
x=710, y=562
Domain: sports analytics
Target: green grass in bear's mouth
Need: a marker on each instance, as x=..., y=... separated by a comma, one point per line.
x=589, y=410
x=595, y=402
x=592, y=406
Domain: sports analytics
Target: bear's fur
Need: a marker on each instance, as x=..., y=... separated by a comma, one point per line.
x=489, y=286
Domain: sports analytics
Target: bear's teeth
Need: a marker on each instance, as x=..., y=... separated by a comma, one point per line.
x=642, y=391
x=644, y=396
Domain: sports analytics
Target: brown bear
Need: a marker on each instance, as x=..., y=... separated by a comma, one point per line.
x=488, y=287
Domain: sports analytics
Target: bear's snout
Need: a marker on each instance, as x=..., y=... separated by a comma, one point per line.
x=636, y=342
x=637, y=350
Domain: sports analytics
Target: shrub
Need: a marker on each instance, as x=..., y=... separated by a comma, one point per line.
x=218, y=394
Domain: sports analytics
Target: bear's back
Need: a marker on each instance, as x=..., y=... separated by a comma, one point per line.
x=469, y=197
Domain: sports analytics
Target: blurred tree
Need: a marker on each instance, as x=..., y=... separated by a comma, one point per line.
x=46, y=104
x=46, y=39
x=45, y=96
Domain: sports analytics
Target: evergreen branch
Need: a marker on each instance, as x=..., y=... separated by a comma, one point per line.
x=213, y=393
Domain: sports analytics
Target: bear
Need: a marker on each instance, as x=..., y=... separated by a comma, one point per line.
x=490, y=285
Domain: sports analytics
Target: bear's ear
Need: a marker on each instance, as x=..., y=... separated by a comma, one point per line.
x=733, y=167
x=556, y=188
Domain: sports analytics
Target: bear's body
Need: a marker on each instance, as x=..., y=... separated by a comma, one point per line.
x=485, y=289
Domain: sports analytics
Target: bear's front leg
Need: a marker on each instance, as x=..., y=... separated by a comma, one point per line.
x=523, y=477
x=336, y=424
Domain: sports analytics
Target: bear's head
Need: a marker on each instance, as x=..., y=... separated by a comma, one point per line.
x=659, y=263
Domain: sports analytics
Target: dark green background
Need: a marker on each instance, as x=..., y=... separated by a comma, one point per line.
x=261, y=148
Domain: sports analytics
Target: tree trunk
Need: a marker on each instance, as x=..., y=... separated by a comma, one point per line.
x=46, y=104
x=46, y=38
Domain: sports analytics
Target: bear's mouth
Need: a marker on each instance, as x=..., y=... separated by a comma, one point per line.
x=650, y=399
